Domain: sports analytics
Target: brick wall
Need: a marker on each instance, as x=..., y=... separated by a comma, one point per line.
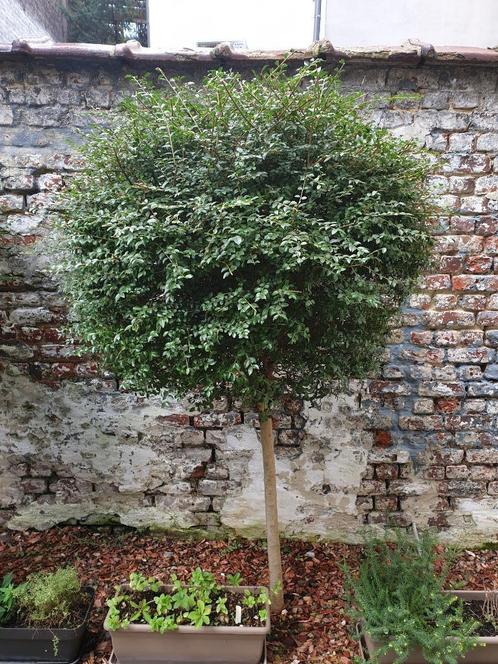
x=416, y=444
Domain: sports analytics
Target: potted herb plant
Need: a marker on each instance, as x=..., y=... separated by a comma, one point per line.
x=44, y=618
x=197, y=621
x=405, y=615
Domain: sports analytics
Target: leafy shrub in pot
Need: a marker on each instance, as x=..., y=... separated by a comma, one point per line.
x=195, y=621
x=399, y=600
x=44, y=618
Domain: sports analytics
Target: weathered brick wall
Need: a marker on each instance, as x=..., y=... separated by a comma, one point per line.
x=418, y=444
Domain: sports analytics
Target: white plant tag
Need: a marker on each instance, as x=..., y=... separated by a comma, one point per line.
x=238, y=615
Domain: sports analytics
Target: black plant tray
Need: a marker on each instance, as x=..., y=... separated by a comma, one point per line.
x=36, y=646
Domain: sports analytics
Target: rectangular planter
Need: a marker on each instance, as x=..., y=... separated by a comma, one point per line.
x=487, y=654
x=28, y=644
x=138, y=644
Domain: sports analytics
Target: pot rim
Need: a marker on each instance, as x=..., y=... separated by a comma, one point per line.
x=210, y=629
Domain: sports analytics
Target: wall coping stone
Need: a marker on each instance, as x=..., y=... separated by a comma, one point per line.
x=413, y=52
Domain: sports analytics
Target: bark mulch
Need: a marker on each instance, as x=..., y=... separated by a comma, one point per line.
x=313, y=629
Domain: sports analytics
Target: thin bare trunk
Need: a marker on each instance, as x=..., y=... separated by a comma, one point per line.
x=272, y=534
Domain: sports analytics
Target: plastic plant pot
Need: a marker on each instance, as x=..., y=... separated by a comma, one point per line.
x=138, y=644
x=486, y=652
x=58, y=645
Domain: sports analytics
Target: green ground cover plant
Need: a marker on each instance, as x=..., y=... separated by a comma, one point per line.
x=6, y=598
x=199, y=602
x=398, y=598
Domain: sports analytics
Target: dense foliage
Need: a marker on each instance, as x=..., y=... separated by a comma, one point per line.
x=47, y=599
x=106, y=21
x=201, y=601
x=399, y=601
x=250, y=237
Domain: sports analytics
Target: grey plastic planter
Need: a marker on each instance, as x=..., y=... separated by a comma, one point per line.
x=481, y=654
x=27, y=644
x=138, y=644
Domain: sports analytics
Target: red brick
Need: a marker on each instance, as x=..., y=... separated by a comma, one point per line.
x=447, y=337
x=484, y=456
x=488, y=318
x=468, y=355
x=386, y=503
x=427, y=356
x=434, y=473
x=421, y=338
x=451, y=319
x=438, y=520
x=470, y=422
x=40, y=334
x=466, y=244
x=423, y=406
x=478, y=264
x=491, y=245
x=378, y=387
x=445, y=302
x=386, y=471
x=457, y=472
x=372, y=488
x=447, y=405
x=383, y=438
x=475, y=283
x=421, y=423
x=441, y=389
x=486, y=226
x=210, y=420
x=463, y=224
x=473, y=302
x=486, y=473
x=472, y=163
x=436, y=282
x=473, y=204
x=445, y=457
x=471, y=337
x=451, y=264
x=178, y=419
x=462, y=488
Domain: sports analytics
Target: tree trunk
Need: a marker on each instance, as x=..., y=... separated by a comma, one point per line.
x=272, y=534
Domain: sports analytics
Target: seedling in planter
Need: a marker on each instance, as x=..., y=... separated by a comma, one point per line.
x=6, y=598
x=234, y=579
x=490, y=609
x=201, y=601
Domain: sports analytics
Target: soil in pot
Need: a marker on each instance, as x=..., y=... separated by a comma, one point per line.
x=475, y=610
x=249, y=615
x=74, y=619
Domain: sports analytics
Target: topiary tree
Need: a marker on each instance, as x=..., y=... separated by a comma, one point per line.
x=249, y=238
